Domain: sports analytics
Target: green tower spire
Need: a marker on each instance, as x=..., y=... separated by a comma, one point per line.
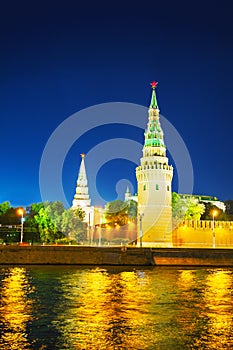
x=153, y=102
x=154, y=133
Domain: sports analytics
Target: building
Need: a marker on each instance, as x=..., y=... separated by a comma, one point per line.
x=154, y=177
x=201, y=198
x=81, y=197
x=206, y=199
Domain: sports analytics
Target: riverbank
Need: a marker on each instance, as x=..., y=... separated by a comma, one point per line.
x=128, y=256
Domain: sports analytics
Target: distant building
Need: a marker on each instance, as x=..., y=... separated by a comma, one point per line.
x=206, y=199
x=202, y=198
x=93, y=215
x=129, y=196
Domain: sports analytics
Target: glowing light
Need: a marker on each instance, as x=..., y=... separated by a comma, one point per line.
x=154, y=84
x=20, y=211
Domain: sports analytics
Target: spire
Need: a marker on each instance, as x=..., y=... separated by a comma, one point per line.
x=81, y=197
x=82, y=177
x=153, y=102
x=127, y=194
x=154, y=141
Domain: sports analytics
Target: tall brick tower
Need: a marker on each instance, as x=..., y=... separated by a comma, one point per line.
x=154, y=177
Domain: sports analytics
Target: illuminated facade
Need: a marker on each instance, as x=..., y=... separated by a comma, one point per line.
x=81, y=197
x=154, y=177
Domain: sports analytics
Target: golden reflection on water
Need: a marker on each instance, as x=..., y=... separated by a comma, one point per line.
x=115, y=308
x=15, y=309
x=108, y=314
x=219, y=306
x=213, y=320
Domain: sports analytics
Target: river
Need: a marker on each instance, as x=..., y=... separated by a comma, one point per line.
x=73, y=307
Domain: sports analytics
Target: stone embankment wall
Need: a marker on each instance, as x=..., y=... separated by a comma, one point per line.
x=74, y=255
x=201, y=234
x=121, y=256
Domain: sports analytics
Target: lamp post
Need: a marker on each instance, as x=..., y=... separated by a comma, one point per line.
x=140, y=227
x=21, y=212
x=100, y=231
x=213, y=231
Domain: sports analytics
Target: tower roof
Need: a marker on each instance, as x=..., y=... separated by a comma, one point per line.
x=81, y=197
x=154, y=132
x=82, y=177
x=153, y=102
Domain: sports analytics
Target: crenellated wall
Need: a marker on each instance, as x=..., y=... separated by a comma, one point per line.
x=201, y=234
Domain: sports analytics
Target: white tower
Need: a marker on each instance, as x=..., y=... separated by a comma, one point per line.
x=81, y=197
x=154, y=177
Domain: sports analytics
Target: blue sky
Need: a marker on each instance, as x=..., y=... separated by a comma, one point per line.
x=58, y=58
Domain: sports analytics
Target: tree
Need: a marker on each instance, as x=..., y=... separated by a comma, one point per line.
x=49, y=221
x=178, y=208
x=31, y=212
x=132, y=209
x=10, y=217
x=208, y=213
x=72, y=224
x=116, y=212
x=186, y=208
x=229, y=208
x=4, y=207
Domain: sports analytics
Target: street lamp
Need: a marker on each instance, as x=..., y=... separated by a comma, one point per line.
x=140, y=227
x=214, y=213
x=21, y=212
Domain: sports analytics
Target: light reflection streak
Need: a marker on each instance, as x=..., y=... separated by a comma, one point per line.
x=208, y=304
x=15, y=309
x=116, y=308
x=108, y=313
x=219, y=305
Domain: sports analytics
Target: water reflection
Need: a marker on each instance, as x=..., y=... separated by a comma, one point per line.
x=209, y=305
x=108, y=311
x=218, y=309
x=68, y=307
x=15, y=308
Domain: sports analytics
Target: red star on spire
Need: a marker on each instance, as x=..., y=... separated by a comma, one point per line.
x=154, y=84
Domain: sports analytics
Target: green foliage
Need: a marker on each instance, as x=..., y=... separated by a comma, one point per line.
x=4, y=207
x=178, y=207
x=32, y=211
x=186, y=208
x=64, y=240
x=208, y=214
x=72, y=224
x=132, y=209
x=117, y=212
x=194, y=209
x=229, y=208
x=10, y=217
x=49, y=221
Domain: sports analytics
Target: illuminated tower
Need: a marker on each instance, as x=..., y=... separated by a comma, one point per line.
x=81, y=197
x=154, y=177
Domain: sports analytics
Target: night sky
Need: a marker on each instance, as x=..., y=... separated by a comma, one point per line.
x=58, y=58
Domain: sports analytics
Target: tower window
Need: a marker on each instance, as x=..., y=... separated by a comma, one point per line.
x=157, y=187
x=144, y=187
x=168, y=188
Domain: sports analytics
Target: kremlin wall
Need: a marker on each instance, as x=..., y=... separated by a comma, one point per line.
x=150, y=240
x=154, y=226
x=189, y=234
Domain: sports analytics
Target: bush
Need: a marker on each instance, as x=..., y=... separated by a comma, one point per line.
x=64, y=240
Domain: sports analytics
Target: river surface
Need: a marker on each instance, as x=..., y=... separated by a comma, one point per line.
x=70, y=307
